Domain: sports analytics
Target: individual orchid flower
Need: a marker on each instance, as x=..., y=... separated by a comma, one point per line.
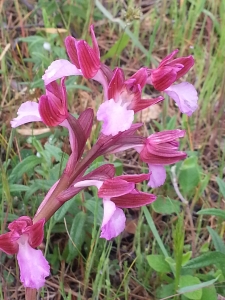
x=169, y=71
x=51, y=109
x=158, y=150
x=85, y=61
x=124, y=100
x=117, y=193
x=23, y=237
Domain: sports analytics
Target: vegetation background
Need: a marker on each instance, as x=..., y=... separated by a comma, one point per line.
x=173, y=249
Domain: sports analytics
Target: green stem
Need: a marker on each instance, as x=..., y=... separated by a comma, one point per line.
x=154, y=231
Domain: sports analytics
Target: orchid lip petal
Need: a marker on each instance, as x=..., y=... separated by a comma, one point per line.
x=185, y=96
x=114, y=226
x=58, y=69
x=27, y=112
x=158, y=175
x=33, y=265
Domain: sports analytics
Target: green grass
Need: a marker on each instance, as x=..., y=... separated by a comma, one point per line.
x=83, y=265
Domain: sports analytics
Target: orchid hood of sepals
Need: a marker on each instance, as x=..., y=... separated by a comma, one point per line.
x=161, y=149
x=124, y=100
x=118, y=192
x=84, y=57
x=169, y=71
x=53, y=106
x=23, y=237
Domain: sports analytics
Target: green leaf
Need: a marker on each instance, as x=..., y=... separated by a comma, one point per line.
x=24, y=166
x=118, y=47
x=166, y=206
x=209, y=293
x=165, y=290
x=212, y=212
x=221, y=185
x=158, y=263
x=189, y=286
x=60, y=213
x=189, y=175
x=77, y=234
x=195, y=287
x=90, y=205
x=217, y=241
x=207, y=259
x=186, y=257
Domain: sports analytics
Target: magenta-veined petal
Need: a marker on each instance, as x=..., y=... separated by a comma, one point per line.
x=35, y=233
x=187, y=63
x=88, y=59
x=144, y=103
x=162, y=78
x=116, y=84
x=133, y=199
x=8, y=243
x=141, y=77
x=166, y=136
x=136, y=178
x=71, y=48
x=115, y=117
x=158, y=175
x=94, y=41
x=33, y=265
x=185, y=95
x=27, y=112
x=114, y=226
x=115, y=187
x=168, y=58
x=58, y=69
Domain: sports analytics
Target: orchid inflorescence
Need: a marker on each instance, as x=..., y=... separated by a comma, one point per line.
x=122, y=99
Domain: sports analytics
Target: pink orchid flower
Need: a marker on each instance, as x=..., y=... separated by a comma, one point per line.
x=23, y=237
x=85, y=61
x=169, y=71
x=117, y=193
x=51, y=109
x=123, y=101
x=161, y=149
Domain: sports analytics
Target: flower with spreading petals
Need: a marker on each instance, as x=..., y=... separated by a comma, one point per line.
x=23, y=237
x=117, y=193
x=124, y=100
x=161, y=149
x=169, y=71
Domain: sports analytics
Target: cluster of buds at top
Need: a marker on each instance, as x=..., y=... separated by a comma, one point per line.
x=122, y=99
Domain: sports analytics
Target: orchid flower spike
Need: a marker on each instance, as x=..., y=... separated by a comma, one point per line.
x=23, y=237
x=169, y=71
x=161, y=149
x=118, y=192
x=124, y=100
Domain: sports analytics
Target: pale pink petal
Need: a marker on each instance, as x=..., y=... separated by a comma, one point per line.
x=185, y=95
x=158, y=175
x=33, y=265
x=27, y=112
x=114, y=226
x=86, y=183
x=115, y=117
x=109, y=209
x=58, y=69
